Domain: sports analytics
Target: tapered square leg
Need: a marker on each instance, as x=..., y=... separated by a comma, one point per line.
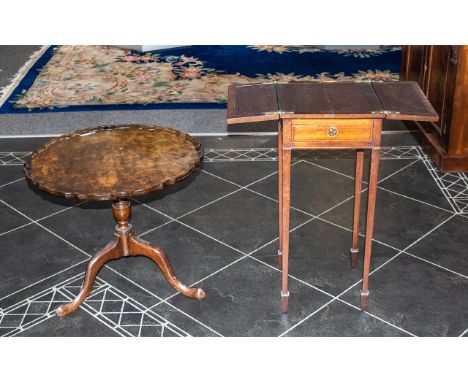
x=284, y=302
x=372, y=196
x=357, y=206
x=364, y=299
x=280, y=195
x=284, y=223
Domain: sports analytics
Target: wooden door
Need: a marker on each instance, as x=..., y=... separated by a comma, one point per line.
x=441, y=85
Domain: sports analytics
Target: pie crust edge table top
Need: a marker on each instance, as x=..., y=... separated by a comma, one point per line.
x=113, y=162
x=121, y=155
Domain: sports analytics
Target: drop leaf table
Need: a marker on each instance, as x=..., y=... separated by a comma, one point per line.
x=328, y=115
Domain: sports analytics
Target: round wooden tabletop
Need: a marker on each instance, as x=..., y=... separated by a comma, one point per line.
x=113, y=162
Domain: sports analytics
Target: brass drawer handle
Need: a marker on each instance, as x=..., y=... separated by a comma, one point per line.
x=332, y=131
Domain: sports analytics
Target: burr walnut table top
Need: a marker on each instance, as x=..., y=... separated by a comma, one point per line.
x=112, y=162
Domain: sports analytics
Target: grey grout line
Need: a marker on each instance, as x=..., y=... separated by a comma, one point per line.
x=258, y=248
x=224, y=196
x=88, y=310
x=376, y=317
x=118, y=273
x=370, y=274
x=245, y=255
x=32, y=221
x=194, y=229
x=16, y=228
x=84, y=252
x=399, y=253
x=401, y=169
x=383, y=179
x=292, y=277
x=193, y=318
x=135, y=283
x=429, y=232
x=352, y=177
x=329, y=169
x=60, y=211
x=129, y=300
x=334, y=298
x=416, y=200
x=79, y=249
x=313, y=217
x=433, y=173
x=45, y=278
x=19, y=329
x=273, y=199
x=349, y=198
x=437, y=265
x=307, y=317
x=14, y=181
x=157, y=227
x=324, y=212
x=360, y=234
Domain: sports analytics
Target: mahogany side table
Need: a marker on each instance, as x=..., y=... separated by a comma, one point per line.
x=116, y=163
x=328, y=115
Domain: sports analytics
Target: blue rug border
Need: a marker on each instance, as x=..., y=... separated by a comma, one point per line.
x=28, y=80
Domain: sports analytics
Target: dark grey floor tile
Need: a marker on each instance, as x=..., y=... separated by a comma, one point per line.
x=242, y=173
x=313, y=189
x=446, y=246
x=78, y=324
x=406, y=138
x=193, y=192
x=43, y=284
x=128, y=287
x=418, y=297
x=183, y=321
x=348, y=166
x=90, y=226
x=31, y=202
x=393, y=125
x=10, y=173
x=416, y=182
x=193, y=256
x=10, y=219
x=244, y=300
x=340, y=320
x=27, y=144
x=30, y=254
x=399, y=221
x=255, y=128
x=244, y=220
x=241, y=141
x=127, y=316
x=319, y=255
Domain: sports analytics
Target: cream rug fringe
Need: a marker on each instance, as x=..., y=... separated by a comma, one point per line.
x=6, y=91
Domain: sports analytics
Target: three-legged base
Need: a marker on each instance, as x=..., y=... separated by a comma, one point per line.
x=125, y=243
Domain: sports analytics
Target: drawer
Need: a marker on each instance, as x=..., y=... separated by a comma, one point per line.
x=331, y=130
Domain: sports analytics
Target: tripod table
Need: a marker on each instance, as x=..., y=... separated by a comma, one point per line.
x=115, y=163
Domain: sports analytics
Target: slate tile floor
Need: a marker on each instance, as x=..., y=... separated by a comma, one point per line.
x=219, y=229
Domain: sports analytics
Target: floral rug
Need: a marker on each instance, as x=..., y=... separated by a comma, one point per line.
x=67, y=78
